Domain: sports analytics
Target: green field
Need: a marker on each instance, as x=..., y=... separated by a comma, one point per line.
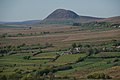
x=69, y=58
x=43, y=55
x=107, y=54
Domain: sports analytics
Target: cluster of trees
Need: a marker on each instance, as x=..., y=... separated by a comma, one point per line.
x=117, y=25
x=74, y=45
x=92, y=49
x=88, y=49
x=53, y=69
x=22, y=34
x=93, y=24
x=35, y=46
x=44, y=74
x=10, y=49
x=76, y=24
x=98, y=76
x=3, y=35
x=41, y=74
x=115, y=43
x=4, y=50
x=113, y=46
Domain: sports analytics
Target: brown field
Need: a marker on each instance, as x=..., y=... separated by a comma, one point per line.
x=38, y=29
x=114, y=71
x=59, y=40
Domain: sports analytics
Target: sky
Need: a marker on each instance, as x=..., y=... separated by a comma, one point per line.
x=21, y=10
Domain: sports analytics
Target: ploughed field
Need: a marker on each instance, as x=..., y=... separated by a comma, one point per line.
x=42, y=49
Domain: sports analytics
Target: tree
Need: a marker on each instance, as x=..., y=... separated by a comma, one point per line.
x=27, y=57
x=89, y=52
x=79, y=45
x=40, y=51
x=95, y=51
x=87, y=46
x=74, y=45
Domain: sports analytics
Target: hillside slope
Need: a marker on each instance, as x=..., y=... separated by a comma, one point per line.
x=62, y=16
x=115, y=19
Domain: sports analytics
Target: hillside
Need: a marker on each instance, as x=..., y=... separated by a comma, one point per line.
x=28, y=22
x=62, y=16
x=115, y=19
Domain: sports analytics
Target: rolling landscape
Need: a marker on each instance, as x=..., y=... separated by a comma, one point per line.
x=62, y=46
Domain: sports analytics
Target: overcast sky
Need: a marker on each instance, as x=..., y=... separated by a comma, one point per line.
x=20, y=10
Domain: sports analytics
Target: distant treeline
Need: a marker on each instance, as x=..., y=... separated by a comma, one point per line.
x=97, y=24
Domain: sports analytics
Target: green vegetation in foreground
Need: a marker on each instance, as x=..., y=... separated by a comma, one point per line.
x=39, y=62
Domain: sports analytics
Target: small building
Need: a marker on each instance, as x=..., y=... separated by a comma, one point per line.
x=73, y=51
x=118, y=47
x=115, y=46
x=67, y=52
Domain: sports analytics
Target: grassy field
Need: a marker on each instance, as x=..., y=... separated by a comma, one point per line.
x=107, y=54
x=51, y=58
x=69, y=58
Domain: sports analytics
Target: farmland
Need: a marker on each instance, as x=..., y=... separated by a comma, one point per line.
x=41, y=51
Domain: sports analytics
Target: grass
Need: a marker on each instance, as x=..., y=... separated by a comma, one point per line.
x=18, y=59
x=61, y=38
x=81, y=69
x=44, y=55
x=69, y=58
x=11, y=26
x=108, y=54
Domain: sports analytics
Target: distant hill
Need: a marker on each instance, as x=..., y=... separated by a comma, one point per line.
x=63, y=16
x=3, y=22
x=115, y=19
x=29, y=22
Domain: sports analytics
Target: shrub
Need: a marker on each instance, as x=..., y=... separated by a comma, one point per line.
x=98, y=76
x=76, y=24
x=80, y=45
x=87, y=46
x=115, y=60
x=3, y=77
x=41, y=72
x=89, y=52
x=27, y=57
x=74, y=45
x=66, y=67
x=46, y=71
